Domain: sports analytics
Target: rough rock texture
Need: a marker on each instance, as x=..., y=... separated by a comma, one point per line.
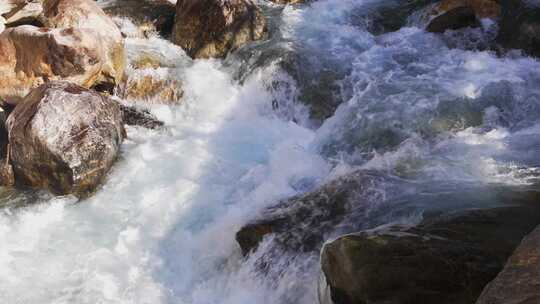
x=18, y=12
x=64, y=138
x=212, y=28
x=455, y=14
x=520, y=26
x=153, y=89
x=159, y=13
x=134, y=116
x=30, y=56
x=519, y=282
x=86, y=14
x=301, y=224
x=6, y=171
x=445, y=260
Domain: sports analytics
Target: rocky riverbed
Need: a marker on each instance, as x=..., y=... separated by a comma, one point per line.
x=269, y=151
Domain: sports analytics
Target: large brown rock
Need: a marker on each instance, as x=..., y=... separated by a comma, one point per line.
x=86, y=14
x=446, y=259
x=31, y=56
x=519, y=282
x=455, y=14
x=212, y=28
x=64, y=138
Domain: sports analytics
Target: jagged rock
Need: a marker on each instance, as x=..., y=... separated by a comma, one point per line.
x=134, y=116
x=213, y=28
x=86, y=14
x=519, y=282
x=455, y=14
x=64, y=138
x=520, y=26
x=301, y=224
x=31, y=56
x=18, y=12
x=446, y=259
x=152, y=89
x=159, y=13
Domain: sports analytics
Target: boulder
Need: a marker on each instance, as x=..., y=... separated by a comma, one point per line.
x=455, y=14
x=31, y=56
x=86, y=14
x=213, y=28
x=303, y=223
x=447, y=259
x=519, y=281
x=519, y=27
x=159, y=13
x=64, y=138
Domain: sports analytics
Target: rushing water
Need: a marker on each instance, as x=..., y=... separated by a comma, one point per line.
x=161, y=229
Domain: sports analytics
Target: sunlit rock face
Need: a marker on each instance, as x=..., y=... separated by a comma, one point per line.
x=31, y=56
x=213, y=28
x=17, y=12
x=86, y=14
x=64, y=138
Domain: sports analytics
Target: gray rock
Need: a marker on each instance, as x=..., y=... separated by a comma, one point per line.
x=519, y=282
x=446, y=259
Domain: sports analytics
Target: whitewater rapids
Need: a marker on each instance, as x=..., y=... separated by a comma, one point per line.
x=161, y=229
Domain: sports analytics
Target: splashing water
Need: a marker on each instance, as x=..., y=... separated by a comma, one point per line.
x=161, y=229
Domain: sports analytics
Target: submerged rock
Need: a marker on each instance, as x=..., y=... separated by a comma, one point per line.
x=213, y=28
x=86, y=14
x=520, y=26
x=445, y=260
x=519, y=281
x=31, y=56
x=455, y=14
x=301, y=224
x=64, y=138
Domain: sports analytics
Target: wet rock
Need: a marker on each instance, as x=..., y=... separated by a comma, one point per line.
x=153, y=90
x=456, y=14
x=301, y=224
x=31, y=56
x=159, y=13
x=519, y=281
x=519, y=27
x=86, y=14
x=447, y=259
x=64, y=138
x=134, y=116
x=6, y=171
x=388, y=16
x=213, y=28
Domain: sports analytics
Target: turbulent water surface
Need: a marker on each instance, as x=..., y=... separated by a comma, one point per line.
x=433, y=109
